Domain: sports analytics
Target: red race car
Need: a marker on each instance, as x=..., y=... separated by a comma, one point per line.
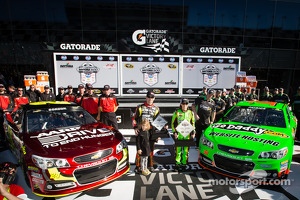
x=63, y=149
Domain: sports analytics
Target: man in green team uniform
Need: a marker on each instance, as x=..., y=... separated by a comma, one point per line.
x=181, y=114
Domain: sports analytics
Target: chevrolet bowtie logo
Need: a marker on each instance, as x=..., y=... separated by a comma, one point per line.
x=233, y=151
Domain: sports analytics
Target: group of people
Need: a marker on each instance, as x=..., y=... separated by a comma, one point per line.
x=207, y=108
x=101, y=107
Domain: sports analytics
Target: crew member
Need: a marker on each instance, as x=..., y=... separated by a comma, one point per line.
x=5, y=104
x=20, y=99
x=89, y=101
x=80, y=93
x=47, y=95
x=205, y=113
x=107, y=107
x=61, y=94
x=70, y=95
x=33, y=94
x=220, y=105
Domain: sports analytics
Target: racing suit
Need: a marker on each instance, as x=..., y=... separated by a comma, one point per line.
x=182, y=152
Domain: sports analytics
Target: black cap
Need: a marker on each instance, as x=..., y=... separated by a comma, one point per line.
x=46, y=87
x=204, y=88
x=231, y=89
x=150, y=94
x=80, y=86
x=276, y=89
x=266, y=88
x=61, y=88
x=106, y=87
x=210, y=91
x=237, y=86
x=89, y=86
x=184, y=101
x=253, y=89
x=70, y=87
x=7, y=166
x=281, y=88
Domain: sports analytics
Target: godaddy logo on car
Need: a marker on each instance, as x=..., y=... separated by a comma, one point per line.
x=253, y=129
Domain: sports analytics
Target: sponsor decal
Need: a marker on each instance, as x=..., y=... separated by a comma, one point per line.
x=171, y=82
x=131, y=82
x=151, y=39
x=190, y=91
x=143, y=91
x=129, y=66
x=217, y=50
x=284, y=165
x=110, y=66
x=96, y=163
x=245, y=137
x=36, y=175
x=88, y=72
x=210, y=75
x=190, y=67
x=150, y=74
x=172, y=66
x=253, y=129
x=32, y=168
x=276, y=134
x=67, y=65
x=156, y=91
x=130, y=91
x=66, y=46
x=162, y=153
x=169, y=91
x=228, y=68
x=65, y=136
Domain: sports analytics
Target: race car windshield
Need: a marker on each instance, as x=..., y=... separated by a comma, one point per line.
x=257, y=116
x=46, y=119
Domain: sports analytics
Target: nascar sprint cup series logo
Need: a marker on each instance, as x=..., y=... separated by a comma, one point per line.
x=210, y=75
x=88, y=73
x=151, y=39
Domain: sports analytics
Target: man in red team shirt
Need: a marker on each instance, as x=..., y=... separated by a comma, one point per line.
x=5, y=104
x=20, y=99
x=107, y=107
x=89, y=101
x=70, y=95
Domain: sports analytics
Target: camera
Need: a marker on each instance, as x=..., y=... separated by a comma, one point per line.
x=7, y=178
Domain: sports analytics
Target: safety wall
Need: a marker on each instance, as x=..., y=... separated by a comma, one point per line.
x=135, y=74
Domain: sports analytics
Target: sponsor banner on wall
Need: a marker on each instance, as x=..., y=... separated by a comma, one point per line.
x=143, y=73
x=208, y=71
x=82, y=68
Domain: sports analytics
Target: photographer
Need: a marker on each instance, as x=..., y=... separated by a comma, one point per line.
x=8, y=190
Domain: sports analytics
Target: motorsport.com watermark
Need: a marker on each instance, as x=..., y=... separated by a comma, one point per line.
x=251, y=182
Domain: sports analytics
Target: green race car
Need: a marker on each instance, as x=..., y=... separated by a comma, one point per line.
x=253, y=135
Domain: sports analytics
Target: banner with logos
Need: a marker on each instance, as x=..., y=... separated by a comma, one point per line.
x=143, y=73
x=208, y=71
x=82, y=68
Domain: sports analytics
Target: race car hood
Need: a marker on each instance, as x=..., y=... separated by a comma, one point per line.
x=248, y=136
x=70, y=142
